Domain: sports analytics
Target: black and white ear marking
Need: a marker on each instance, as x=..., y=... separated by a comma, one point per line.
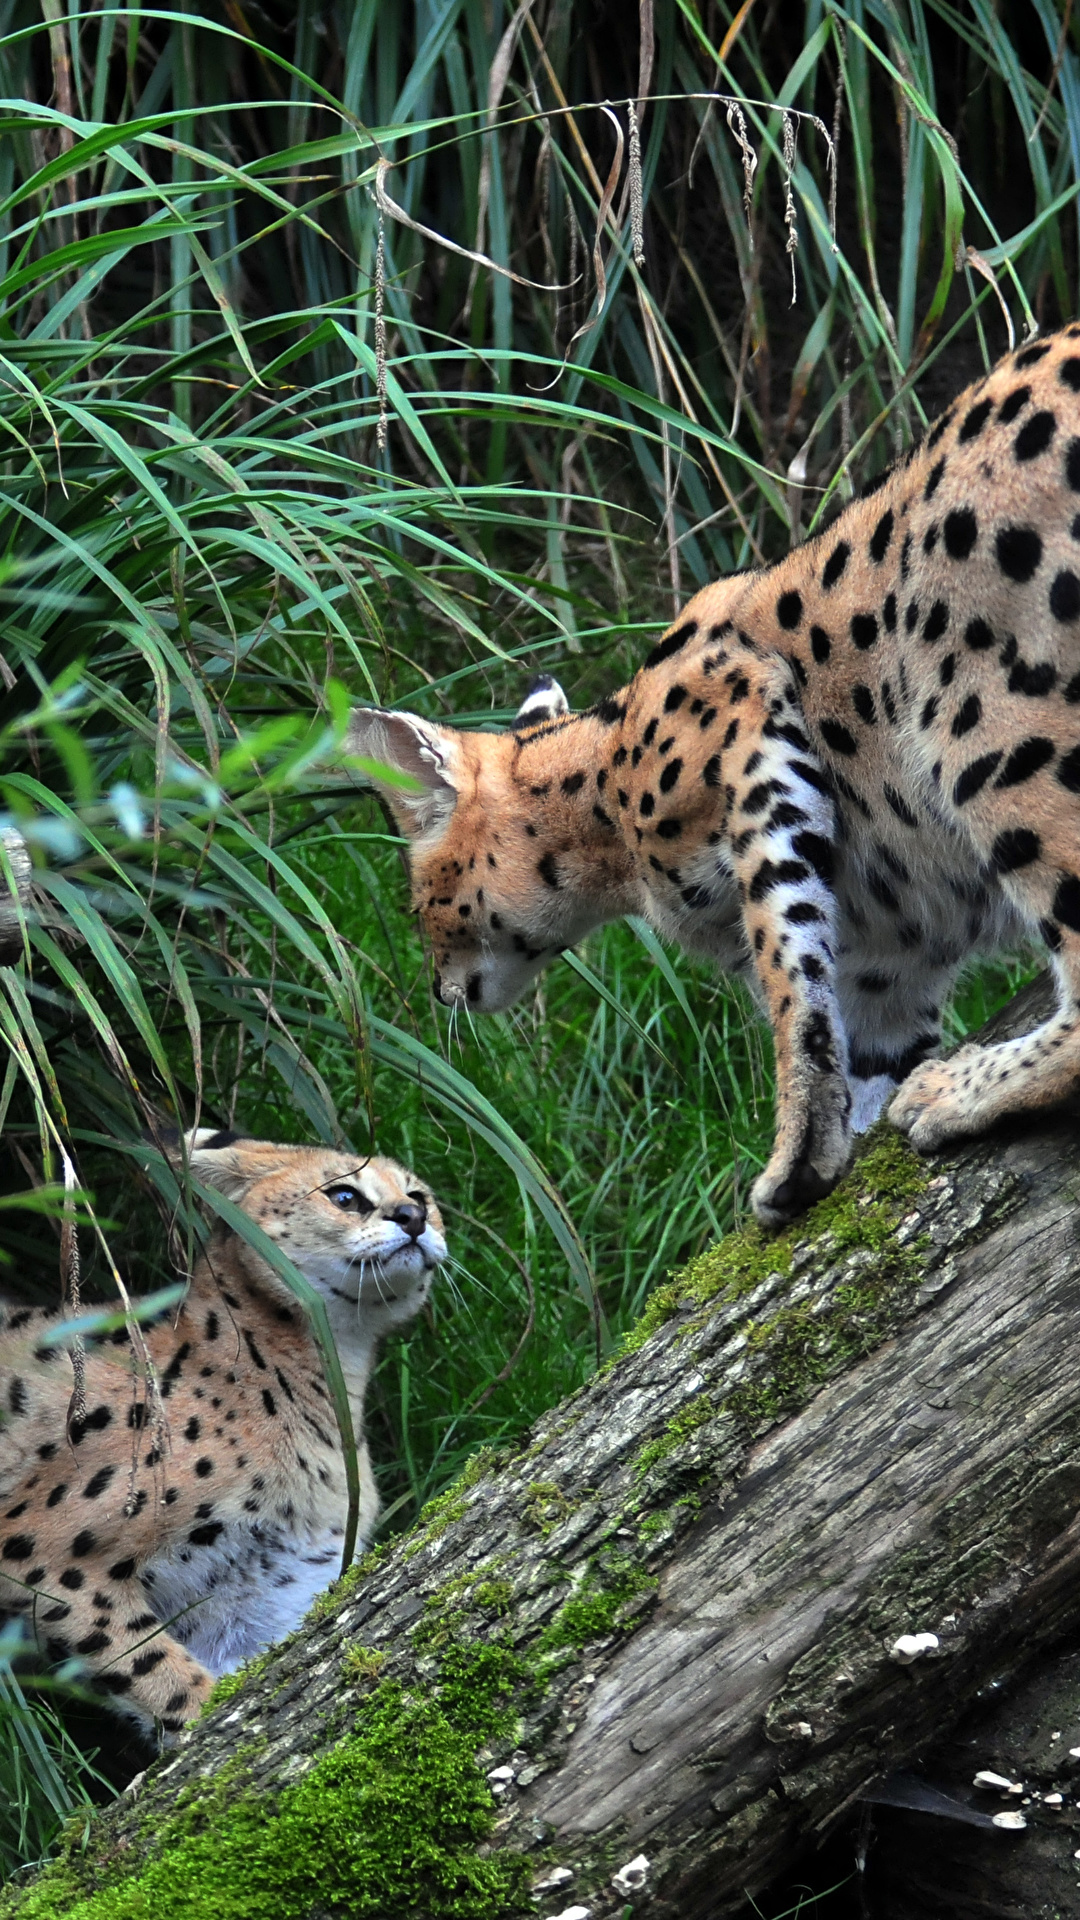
x=202, y=1138
x=544, y=700
x=402, y=743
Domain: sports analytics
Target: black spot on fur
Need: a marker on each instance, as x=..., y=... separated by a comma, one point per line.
x=1025, y=760
x=775, y=873
x=960, y=532
x=1018, y=847
x=820, y=645
x=936, y=620
x=1014, y=403
x=888, y=613
x=937, y=432
x=934, y=481
x=18, y=1546
x=1035, y=436
x=672, y=643
x=882, y=890
x=900, y=807
x=1065, y=596
x=254, y=1351
x=669, y=829
x=146, y=1662
x=967, y=716
x=98, y=1482
x=573, y=783
x=1069, y=373
x=929, y=712
x=1030, y=356
x=818, y=852
x=670, y=775
x=548, y=871
x=975, y=776
x=83, y=1543
x=269, y=1402
x=206, y=1534
x=176, y=1364
x=122, y=1570
x=863, y=702
x=95, y=1422
x=1067, y=902
x=978, y=636
x=674, y=698
x=881, y=536
x=1019, y=551
x=1072, y=465
x=974, y=421
x=710, y=773
x=1069, y=771
x=837, y=737
x=835, y=564
x=789, y=610
x=93, y=1642
x=1035, y=681
x=647, y=805
x=609, y=712
x=864, y=630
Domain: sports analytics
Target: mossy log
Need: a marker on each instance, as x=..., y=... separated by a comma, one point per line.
x=667, y=1625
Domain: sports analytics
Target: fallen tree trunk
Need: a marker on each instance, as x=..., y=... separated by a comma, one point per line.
x=758, y=1563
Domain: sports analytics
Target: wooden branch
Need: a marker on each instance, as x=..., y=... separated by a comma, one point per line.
x=702, y=1590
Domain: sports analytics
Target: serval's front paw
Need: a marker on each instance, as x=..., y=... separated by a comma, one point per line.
x=790, y=1183
x=935, y=1103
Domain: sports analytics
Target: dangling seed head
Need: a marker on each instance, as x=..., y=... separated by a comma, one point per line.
x=380, y=334
x=637, y=219
x=790, y=223
x=736, y=120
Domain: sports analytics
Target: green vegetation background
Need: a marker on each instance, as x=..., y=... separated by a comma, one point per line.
x=206, y=553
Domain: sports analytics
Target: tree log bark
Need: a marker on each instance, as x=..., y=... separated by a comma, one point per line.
x=688, y=1586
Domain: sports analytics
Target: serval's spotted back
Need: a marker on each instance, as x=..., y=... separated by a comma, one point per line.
x=845, y=772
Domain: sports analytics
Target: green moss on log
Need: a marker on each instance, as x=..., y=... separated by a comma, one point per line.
x=390, y=1823
x=862, y=1212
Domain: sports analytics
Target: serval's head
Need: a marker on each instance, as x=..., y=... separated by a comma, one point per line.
x=508, y=865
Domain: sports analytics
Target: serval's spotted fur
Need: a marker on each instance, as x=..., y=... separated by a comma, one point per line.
x=189, y=1516
x=844, y=773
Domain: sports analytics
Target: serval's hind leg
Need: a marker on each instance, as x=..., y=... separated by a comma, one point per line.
x=971, y=1089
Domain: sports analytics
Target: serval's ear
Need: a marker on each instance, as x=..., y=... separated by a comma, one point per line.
x=410, y=762
x=543, y=701
x=222, y=1158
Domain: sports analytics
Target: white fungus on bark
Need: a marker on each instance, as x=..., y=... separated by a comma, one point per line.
x=912, y=1646
x=632, y=1877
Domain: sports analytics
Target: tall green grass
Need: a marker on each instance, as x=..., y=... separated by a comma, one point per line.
x=206, y=553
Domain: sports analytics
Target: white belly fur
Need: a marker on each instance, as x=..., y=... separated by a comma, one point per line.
x=228, y=1601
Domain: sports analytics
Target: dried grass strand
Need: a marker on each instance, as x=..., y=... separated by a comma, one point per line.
x=637, y=211
x=736, y=120
x=380, y=334
x=791, y=246
x=389, y=209
x=71, y=1284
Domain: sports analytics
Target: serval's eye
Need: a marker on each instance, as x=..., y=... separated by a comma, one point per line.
x=349, y=1199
